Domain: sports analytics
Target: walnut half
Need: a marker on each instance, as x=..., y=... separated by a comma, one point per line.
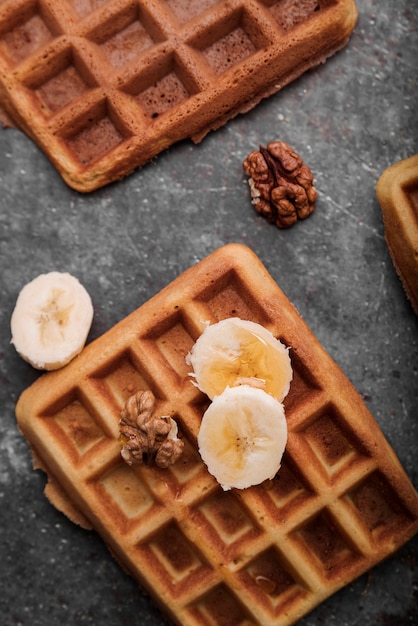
x=281, y=185
x=147, y=436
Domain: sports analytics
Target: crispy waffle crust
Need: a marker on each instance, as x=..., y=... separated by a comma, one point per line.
x=263, y=556
x=104, y=86
x=397, y=192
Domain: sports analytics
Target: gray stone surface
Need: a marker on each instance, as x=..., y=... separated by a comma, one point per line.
x=349, y=119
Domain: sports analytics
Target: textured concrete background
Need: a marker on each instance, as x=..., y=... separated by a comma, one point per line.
x=349, y=119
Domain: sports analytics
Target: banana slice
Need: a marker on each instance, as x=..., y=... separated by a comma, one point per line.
x=51, y=320
x=242, y=437
x=234, y=352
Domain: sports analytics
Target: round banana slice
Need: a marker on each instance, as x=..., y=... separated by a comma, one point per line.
x=235, y=352
x=242, y=437
x=51, y=320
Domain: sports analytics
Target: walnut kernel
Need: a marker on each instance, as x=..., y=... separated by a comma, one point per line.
x=145, y=435
x=281, y=185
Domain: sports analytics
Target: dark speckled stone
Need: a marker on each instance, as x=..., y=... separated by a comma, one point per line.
x=349, y=119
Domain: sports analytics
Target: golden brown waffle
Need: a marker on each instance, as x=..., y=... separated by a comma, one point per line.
x=264, y=556
x=397, y=192
x=104, y=86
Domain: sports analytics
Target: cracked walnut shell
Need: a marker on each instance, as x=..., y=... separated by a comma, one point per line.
x=145, y=435
x=281, y=185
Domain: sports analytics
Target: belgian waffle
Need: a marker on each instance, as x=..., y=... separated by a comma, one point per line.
x=397, y=192
x=340, y=503
x=102, y=86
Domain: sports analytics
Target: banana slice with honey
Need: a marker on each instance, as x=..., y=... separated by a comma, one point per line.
x=235, y=352
x=242, y=437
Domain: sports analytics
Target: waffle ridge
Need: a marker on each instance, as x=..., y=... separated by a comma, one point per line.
x=104, y=86
x=263, y=556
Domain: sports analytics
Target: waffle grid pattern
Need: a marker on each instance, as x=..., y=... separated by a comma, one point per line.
x=104, y=86
x=266, y=555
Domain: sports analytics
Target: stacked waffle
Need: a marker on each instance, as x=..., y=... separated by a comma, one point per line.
x=266, y=555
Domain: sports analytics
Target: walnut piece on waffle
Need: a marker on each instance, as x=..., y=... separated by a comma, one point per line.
x=103, y=87
x=397, y=192
x=266, y=555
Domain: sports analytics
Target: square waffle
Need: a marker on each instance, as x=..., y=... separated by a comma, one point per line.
x=263, y=556
x=104, y=86
x=397, y=192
